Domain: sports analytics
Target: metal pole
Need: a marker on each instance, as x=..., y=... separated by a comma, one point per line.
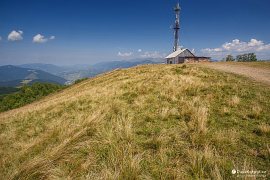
x=176, y=27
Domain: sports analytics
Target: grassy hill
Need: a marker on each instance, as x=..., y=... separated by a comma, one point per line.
x=147, y=122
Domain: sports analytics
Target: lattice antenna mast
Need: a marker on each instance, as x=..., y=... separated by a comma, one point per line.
x=176, y=27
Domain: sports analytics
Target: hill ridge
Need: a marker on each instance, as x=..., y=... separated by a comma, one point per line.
x=15, y=76
x=151, y=121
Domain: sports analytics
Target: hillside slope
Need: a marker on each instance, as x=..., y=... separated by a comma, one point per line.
x=15, y=76
x=147, y=122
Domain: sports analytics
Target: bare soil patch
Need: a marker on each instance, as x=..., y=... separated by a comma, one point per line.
x=259, y=74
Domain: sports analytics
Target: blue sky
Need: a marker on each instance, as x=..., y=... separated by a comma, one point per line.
x=88, y=31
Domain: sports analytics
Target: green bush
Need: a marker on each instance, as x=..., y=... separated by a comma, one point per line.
x=27, y=94
x=80, y=80
x=230, y=58
x=250, y=57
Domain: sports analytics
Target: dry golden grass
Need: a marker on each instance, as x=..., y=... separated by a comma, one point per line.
x=264, y=128
x=234, y=101
x=258, y=64
x=147, y=122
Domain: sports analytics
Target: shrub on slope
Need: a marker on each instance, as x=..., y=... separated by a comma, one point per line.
x=26, y=95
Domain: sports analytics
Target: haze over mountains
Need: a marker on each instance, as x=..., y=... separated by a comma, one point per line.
x=13, y=76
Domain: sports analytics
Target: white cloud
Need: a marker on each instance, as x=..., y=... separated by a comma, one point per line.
x=52, y=37
x=141, y=54
x=237, y=46
x=255, y=42
x=41, y=39
x=15, y=35
x=125, y=54
x=154, y=54
x=208, y=50
x=0, y=38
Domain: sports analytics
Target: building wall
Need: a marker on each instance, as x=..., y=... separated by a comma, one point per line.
x=173, y=61
x=196, y=59
x=180, y=60
x=186, y=57
x=170, y=61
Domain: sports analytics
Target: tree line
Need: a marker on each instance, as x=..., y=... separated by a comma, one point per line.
x=250, y=57
x=27, y=94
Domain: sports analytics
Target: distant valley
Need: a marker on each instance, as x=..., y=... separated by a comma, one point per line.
x=16, y=76
x=13, y=76
x=75, y=72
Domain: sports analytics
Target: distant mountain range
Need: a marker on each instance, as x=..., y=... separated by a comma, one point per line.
x=108, y=66
x=49, y=68
x=13, y=76
x=72, y=73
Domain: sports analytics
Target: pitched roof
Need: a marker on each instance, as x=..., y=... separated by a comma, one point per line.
x=177, y=53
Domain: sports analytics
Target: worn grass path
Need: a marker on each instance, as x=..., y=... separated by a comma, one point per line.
x=251, y=70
